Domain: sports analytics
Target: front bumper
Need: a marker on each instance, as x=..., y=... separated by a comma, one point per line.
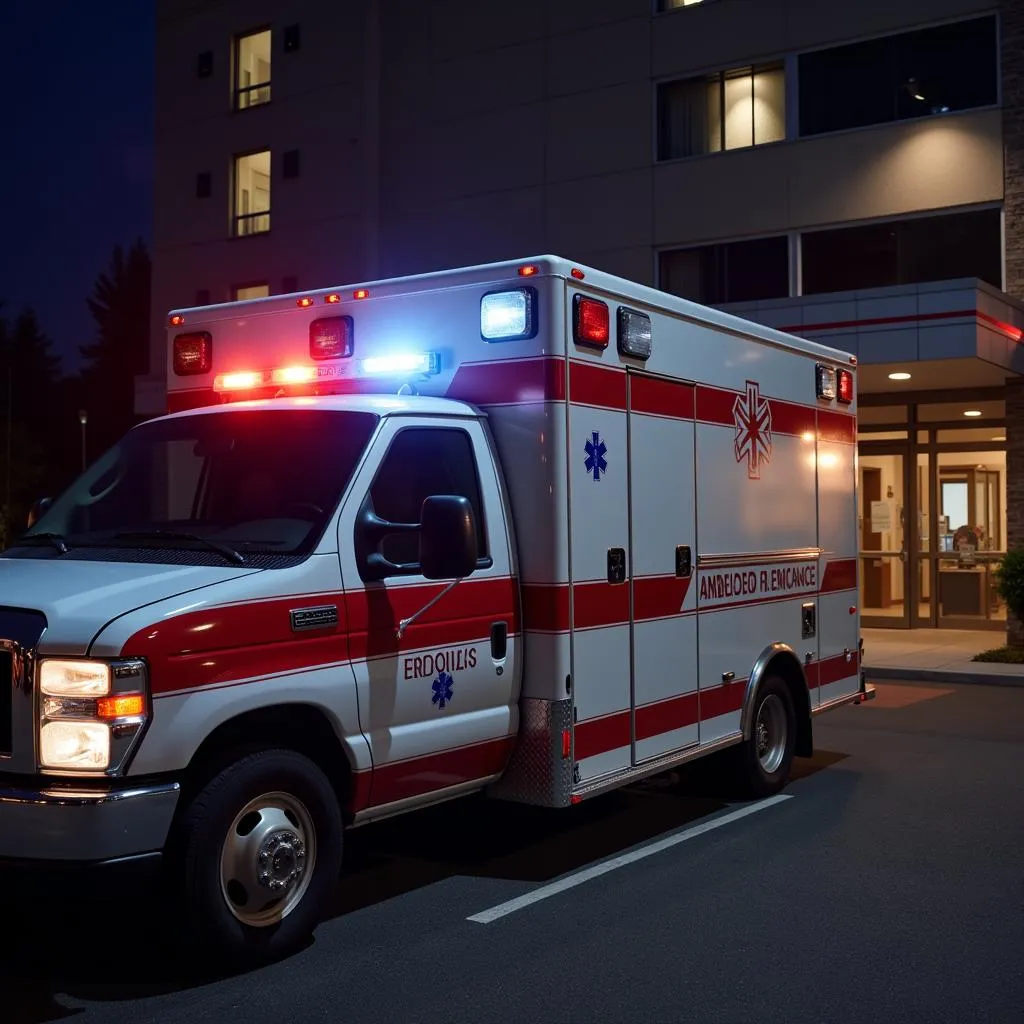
x=65, y=824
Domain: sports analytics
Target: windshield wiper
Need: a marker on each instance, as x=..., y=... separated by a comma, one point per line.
x=56, y=539
x=228, y=552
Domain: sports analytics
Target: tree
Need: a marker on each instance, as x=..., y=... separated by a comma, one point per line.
x=120, y=308
x=31, y=422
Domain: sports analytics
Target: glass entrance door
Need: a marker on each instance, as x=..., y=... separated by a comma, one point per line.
x=885, y=598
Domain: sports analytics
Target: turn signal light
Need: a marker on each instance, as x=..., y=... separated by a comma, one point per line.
x=127, y=705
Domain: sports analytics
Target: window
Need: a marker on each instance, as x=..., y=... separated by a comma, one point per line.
x=291, y=38
x=252, y=193
x=203, y=297
x=204, y=185
x=727, y=110
x=731, y=272
x=290, y=164
x=252, y=69
x=904, y=252
x=671, y=5
x=421, y=462
x=253, y=480
x=931, y=71
x=250, y=291
x=289, y=284
x=204, y=64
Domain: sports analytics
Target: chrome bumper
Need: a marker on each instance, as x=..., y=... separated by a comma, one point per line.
x=65, y=824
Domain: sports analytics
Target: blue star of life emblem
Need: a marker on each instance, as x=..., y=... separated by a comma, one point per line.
x=596, y=451
x=443, y=686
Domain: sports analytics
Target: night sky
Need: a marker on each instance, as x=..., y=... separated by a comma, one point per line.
x=76, y=160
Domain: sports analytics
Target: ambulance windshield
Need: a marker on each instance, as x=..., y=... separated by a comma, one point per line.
x=251, y=486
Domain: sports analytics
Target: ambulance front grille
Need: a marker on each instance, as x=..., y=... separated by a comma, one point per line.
x=6, y=702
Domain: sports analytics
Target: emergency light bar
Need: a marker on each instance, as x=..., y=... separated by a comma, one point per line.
x=508, y=316
x=834, y=384
x=247, y=380
x=402, y=363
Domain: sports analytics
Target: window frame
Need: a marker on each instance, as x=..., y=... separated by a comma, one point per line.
x=717, y=77
x=239, y=91
x=237, y=219
x=876, y=36
x=485, y=559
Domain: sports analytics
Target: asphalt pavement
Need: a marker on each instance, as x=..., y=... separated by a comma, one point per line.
x=886, y=886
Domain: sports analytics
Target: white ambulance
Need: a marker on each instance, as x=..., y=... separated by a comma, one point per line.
x=524, y=528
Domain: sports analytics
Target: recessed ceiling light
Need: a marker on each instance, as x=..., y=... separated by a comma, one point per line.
x=973, y=412
x=899, y=376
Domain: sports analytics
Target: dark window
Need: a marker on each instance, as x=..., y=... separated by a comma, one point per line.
x=421, y=462
x=290, y=164
x=931, y=71
x=204, y=185
x=729, y=272
x=289, y=285
x=204, y=64
x=728, y=110
x=904, y=252
x=203, y=297
x=291, y=38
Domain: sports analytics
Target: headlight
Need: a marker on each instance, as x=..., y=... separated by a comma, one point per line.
x=74, y=678
x=91, y=714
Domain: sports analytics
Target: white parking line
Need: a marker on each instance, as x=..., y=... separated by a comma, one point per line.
x=579, y=877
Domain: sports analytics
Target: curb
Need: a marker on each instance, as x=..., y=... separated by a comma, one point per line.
x=937, y=675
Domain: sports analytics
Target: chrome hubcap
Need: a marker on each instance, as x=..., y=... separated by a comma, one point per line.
x=770, y=733
x=268, y=859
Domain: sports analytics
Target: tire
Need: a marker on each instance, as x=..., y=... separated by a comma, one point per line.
x=763, y=763
x=276, y=805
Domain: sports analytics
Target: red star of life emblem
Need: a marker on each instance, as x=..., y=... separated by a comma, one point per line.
x=753, y=418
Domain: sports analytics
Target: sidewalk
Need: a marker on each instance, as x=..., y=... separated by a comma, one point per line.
x=938, y=655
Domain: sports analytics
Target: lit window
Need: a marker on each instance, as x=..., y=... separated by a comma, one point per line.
x=252, y=69
x=250, y=291
x=674, y=5
x=727, y=110
x=252, y=193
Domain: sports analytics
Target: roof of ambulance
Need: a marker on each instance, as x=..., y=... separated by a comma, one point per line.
x=378, y=405
x=508, y=269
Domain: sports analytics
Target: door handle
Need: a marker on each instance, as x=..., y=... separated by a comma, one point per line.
x=499, y=640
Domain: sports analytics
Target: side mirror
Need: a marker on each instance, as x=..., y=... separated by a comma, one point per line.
x=35, y=513
x=448, y=547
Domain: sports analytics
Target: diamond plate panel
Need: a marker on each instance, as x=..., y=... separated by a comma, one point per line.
x=537, y=773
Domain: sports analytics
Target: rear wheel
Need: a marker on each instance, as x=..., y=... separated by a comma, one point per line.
x=259, y=857
x=763, y=763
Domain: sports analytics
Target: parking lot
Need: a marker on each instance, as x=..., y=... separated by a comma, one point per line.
x=885, y=885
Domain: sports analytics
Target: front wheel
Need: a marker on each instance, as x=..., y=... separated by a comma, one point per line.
x=763, y=762
x=260, y=857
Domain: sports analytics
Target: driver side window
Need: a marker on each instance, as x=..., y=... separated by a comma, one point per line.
x=423, y=461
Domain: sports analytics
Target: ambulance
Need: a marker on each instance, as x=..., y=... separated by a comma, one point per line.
x=526, y=529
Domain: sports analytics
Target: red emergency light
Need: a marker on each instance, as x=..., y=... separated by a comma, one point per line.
x=332, y=297
x=844, y=386
x=330, y=337
x=304, y=302
x=590, y=322
x=361, y=293
x=176, y=321
x=528, y=271
x=193, y=353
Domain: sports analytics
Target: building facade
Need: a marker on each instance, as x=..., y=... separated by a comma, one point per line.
x=848, y=172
